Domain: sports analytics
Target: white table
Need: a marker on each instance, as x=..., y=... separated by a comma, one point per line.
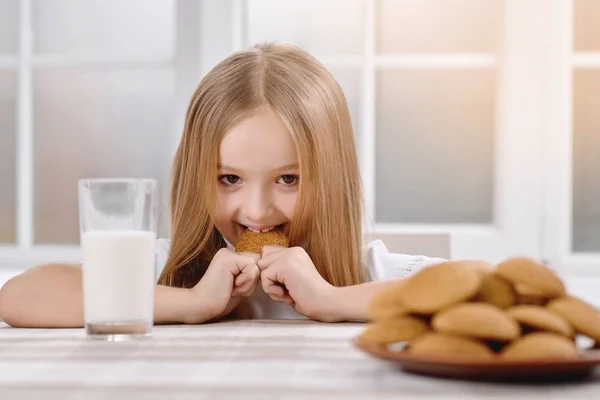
x=237, y=359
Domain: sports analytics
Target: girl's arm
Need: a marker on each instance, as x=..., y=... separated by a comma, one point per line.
x=384, y=268
x=51, y=296
x=306, y=290
x=350, y=303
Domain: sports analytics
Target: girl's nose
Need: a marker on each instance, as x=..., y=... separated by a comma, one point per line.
x=258, y=206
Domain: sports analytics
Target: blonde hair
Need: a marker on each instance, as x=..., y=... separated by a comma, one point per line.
x=328, y=214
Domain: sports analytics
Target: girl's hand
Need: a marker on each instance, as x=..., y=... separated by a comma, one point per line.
x=229, y=277
x=288, y=275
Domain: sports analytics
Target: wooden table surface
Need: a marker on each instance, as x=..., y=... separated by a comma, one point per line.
x=284, y=359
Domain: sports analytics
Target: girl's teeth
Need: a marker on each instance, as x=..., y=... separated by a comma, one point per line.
x=263, y=231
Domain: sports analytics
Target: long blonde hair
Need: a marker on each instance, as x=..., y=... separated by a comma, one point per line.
x=328, y=214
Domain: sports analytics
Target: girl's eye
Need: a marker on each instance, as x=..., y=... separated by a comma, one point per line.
x=289, y=180
x=228, y=180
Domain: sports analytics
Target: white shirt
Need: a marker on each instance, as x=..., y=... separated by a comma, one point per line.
x=379, y=263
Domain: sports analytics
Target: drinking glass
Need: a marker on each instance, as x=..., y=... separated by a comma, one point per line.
x=118, y=219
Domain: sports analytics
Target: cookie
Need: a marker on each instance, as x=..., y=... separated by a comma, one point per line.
x=439, y=286
x=387, y=304
x=433, y=343
x=525, y=290
x=521, y=270
x=496, y=291
x=401, y=329
x=541, y=318
x=254, y=241
x=583, y=316
x=476, y=320
x=529, y=295
x=540, y=345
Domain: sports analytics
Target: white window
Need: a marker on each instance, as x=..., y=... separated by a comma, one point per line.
x=87, y=89
x=474, y=118
x=572, y=142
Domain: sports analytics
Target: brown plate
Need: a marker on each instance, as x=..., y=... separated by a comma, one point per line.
x=462, y=367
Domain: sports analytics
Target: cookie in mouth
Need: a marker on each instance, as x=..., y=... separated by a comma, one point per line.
x=253, y=241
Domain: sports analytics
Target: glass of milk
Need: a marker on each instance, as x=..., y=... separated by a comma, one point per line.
x=118, y=219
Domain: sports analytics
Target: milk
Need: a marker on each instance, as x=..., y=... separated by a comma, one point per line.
x=118, y=276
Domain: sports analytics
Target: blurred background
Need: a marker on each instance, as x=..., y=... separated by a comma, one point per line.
x=475, y=119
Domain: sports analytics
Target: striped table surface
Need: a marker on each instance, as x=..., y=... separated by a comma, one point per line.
x=284, y=359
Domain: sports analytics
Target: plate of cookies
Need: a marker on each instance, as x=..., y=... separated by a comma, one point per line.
x=469, y=319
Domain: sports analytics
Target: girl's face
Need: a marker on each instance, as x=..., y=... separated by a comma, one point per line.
x=258, y=176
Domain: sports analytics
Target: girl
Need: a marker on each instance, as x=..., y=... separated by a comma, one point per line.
x=268, y=144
